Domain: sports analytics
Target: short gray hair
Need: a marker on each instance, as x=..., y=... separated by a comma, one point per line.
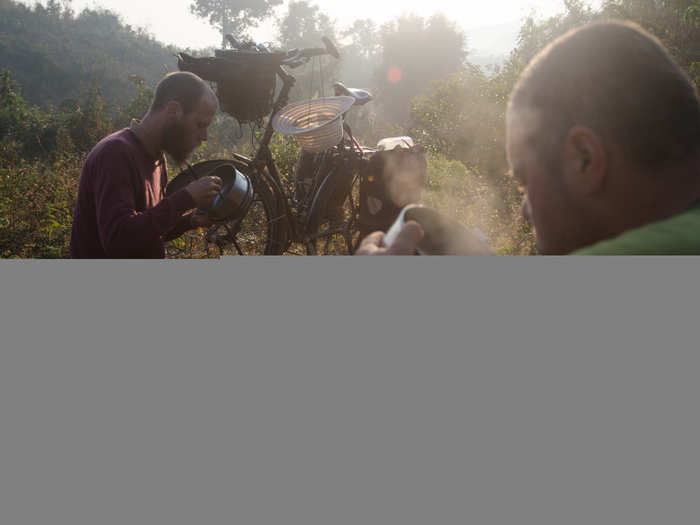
x=620, y=81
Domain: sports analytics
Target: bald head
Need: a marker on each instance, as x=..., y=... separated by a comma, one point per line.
x=183, y=87
x=620, y=81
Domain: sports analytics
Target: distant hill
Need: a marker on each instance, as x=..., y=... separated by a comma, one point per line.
x=56, y=55
x=491, y=45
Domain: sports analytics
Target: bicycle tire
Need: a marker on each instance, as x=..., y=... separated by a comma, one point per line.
x=335, y=214
x=260, y=231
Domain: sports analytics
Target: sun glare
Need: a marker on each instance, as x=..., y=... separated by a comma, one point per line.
x=466, y=13
x=171, y=22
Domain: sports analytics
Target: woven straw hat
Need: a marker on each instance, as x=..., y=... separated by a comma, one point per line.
x=317, y=124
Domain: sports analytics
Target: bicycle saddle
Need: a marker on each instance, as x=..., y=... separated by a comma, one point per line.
x=361, y=96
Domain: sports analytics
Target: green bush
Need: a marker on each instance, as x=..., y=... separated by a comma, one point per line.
x=36, y=208
x=472, y=199
x=285, y=151
x=41, y=154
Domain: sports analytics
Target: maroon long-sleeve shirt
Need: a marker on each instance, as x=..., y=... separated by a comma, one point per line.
x=122, y=211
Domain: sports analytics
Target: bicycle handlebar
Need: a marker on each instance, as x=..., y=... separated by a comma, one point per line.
x=293, y=58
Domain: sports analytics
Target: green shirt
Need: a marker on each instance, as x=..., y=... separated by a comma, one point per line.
x=678, y=235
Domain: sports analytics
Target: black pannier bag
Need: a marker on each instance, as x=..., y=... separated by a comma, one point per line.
x=245, y=82
x=393, y=179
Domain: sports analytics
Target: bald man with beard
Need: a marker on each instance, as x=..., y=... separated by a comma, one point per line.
x=121, y=210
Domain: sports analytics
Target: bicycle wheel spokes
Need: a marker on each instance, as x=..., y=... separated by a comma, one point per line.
x=338, y=230
x=251, y=235
x=261, y=232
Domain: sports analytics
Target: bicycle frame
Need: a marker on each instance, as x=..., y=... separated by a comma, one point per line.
x=287, y=217
x=264, y=165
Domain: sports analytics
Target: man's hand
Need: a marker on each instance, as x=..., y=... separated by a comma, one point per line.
x=406, y=242
x=204, y=190
x=199, y=219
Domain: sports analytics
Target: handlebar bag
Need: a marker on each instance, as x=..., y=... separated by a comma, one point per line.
x=245, y=82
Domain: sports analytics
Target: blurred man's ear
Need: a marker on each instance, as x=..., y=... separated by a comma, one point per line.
x=585, y=161
x=173, y=110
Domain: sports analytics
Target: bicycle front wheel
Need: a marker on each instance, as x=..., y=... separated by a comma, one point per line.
x=333, y=226
x=258, y=233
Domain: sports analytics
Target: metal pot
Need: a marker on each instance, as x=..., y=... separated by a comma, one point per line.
x=236, y=195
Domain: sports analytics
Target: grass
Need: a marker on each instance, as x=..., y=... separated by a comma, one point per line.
x=37, y=201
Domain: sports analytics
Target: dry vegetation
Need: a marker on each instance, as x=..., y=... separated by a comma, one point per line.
x=450, y=106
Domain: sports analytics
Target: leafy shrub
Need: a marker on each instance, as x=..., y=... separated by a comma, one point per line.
x=41, y=154
x=36, y=208
x=469, y=197
x=285, y=151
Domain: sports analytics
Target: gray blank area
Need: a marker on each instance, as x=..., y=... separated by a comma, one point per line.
x=350, y=391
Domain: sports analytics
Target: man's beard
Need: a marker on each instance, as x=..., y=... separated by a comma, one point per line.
x=174, y=143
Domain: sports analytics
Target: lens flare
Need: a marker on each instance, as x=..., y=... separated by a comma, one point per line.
x=394, y=75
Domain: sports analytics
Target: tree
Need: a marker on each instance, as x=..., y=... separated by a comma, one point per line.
x=674, y=22
x=361, y=56
x=303, y=26
x=460, y=117
x=692, y=14
x=55, y=55
x=362, y=53
x=364, y=38
x=535, y=35
x=416, y=52
x=233, y=17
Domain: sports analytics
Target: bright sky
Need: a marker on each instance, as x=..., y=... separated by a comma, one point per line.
x=171, y=22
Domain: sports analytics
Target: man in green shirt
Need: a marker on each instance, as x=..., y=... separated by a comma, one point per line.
x=603, y=131
x=678, y=235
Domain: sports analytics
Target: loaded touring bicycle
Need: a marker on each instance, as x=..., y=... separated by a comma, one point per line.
x=342, y=190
